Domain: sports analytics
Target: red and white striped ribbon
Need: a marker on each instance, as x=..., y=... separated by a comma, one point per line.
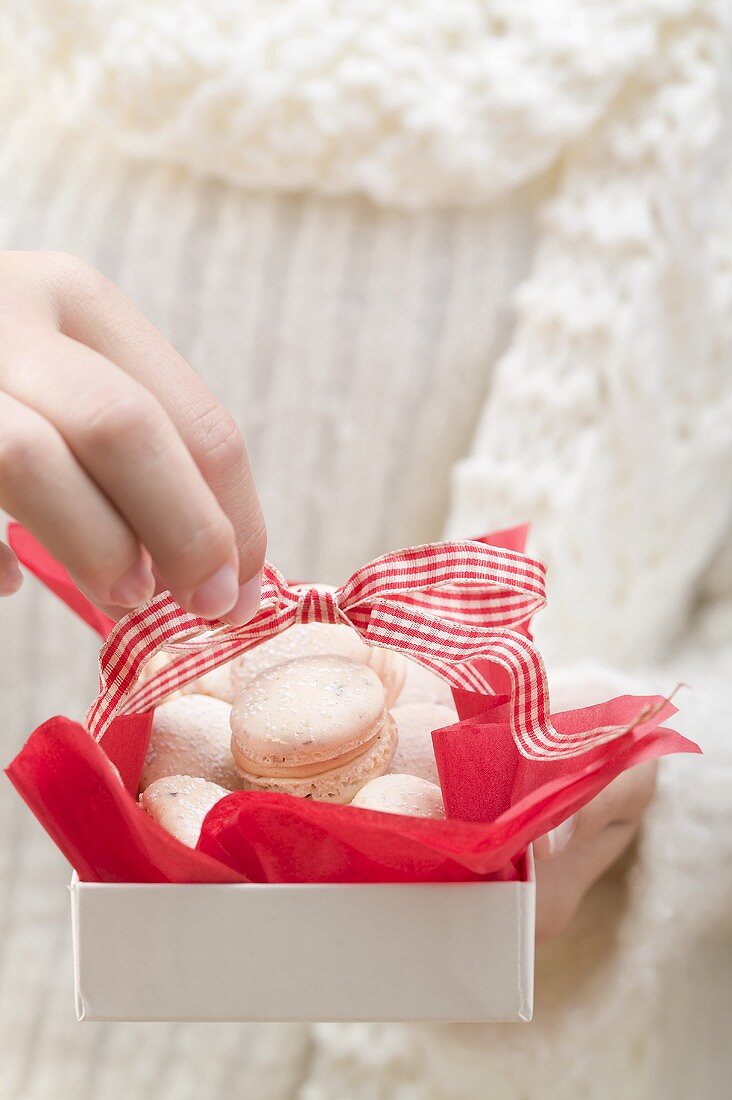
x=449, y=606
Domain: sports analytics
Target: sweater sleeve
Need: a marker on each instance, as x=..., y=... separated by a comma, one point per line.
x=609, y=425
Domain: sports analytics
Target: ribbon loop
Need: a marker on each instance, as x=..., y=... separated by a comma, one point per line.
x=454, y=607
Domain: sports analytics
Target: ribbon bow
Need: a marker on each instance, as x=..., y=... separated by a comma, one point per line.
x=454, y=607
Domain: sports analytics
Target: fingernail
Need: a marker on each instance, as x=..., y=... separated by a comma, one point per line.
x=134, y=588
x=10, y=580
x=247, y=602
x=218, y=595
x=560, y=836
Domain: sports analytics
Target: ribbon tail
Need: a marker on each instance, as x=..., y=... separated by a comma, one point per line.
x=459, y=653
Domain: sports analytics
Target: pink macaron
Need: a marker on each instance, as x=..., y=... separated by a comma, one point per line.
x=218, y=683
x=180, y=803
x=415, y=722
x=422, y=686
x=191, y=735
x=314, y=727
x=401, y=794
x=318, y=640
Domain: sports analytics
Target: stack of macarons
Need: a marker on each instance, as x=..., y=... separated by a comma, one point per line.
x=310, y=713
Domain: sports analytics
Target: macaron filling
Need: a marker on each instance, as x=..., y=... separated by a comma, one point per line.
x=285, y=771
x=307, y=720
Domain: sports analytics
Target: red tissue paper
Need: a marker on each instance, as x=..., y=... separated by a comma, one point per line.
x=509, y=770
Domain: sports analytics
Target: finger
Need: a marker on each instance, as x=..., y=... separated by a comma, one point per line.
x=98, y=314
x=126, y=442
x=603, y=831
x=563, y=882
x=11, y=577
x=44, y=487
x=621, y=802
x=556, y=840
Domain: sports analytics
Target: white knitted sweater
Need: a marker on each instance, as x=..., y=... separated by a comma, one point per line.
x=508, y=223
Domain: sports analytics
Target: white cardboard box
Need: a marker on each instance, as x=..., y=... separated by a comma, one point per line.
x=428, y=951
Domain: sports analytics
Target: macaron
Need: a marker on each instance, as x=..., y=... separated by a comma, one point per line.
x=314, y=727
x=316, y=640
x=401, y=794
x=191, y=735
x=391, y=668
x=423, y=686
x=415, y=722
x=156, y=663
x=218, y=683
x=180, y=803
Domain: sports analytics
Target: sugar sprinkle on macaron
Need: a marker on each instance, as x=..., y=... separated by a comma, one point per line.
x=179, y=803
x=401, y=794
x=191, y=735
x=415, y=754
x=313, y=727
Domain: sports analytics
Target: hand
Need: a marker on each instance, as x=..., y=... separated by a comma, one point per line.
x=574, y=856
x=112, y=451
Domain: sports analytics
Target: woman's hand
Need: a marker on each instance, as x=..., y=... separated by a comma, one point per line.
x=571, y=858
x=112, y=451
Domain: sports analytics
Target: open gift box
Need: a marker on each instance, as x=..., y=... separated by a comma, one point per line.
x=290, y=909
x=310, y=951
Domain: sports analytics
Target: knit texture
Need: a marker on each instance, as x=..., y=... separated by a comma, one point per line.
x=616, y=392
x=410, y=104
x=529, y=246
